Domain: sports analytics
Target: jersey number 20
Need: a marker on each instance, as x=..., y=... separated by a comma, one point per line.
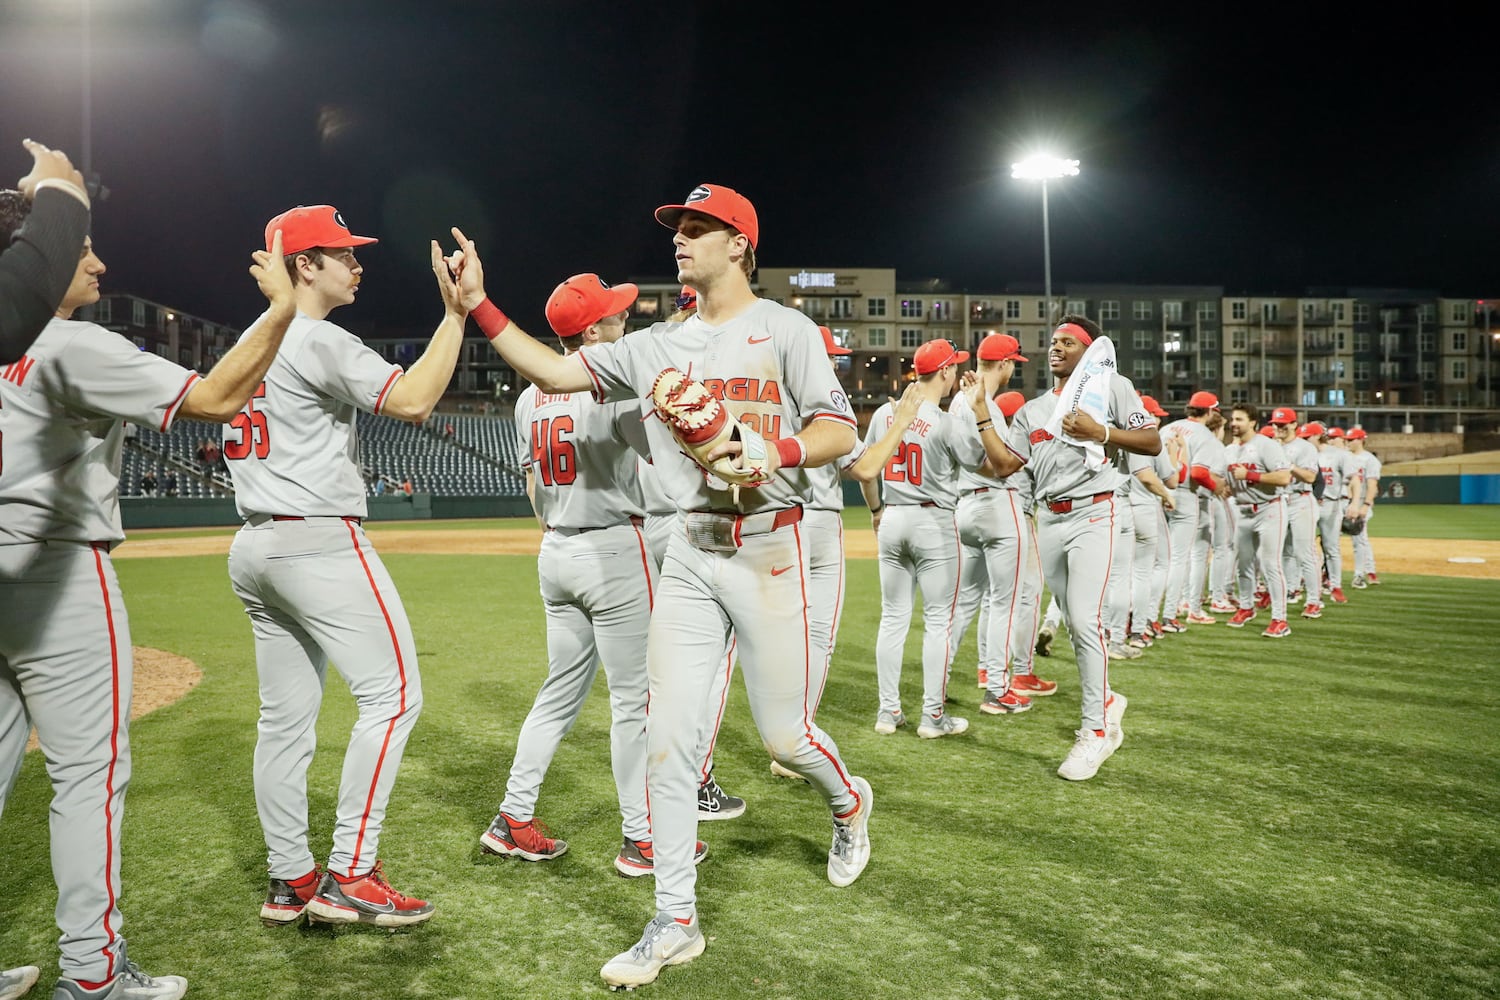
x=905, y=465
x=552, y=452
x=254, y=433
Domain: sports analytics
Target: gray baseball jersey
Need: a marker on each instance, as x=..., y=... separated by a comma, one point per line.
x=1059, y=469
x=583, y=469
x=1303, y=455
x=970, y=449
x=1333, y=462
x=925, y=465
x=64, y=632
x=1259, y=454
x=61, y=407
x=294, y=449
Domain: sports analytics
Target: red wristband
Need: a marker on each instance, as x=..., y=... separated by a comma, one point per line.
x=790, y=452
x=490, y=319
x=1252, y=476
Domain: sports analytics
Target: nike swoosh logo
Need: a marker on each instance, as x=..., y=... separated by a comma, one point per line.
x=778, y=572
x=386, y=907
x=1095, y=520
x=757, y=340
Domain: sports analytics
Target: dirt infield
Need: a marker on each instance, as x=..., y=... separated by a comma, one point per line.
x=1396, y=556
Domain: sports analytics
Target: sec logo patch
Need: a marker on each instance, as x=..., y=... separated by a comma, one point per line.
x=840, y=401
x=1138, y=419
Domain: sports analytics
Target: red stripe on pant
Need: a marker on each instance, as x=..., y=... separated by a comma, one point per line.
x=114, y=757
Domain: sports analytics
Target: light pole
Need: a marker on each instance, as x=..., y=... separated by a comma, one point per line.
x=1044, y=168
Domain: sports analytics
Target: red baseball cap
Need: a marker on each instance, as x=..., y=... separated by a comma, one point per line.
x=1152, y=406
x=719, y=202
x=1010, y=402
x=1356, y=434
x=936, y=355
x=1268, y=431
x=1204, y=400
x=1335, y=432
x=1000, y=347
x=308, y=226
x=1311, y=430
x=1283, y=415
x=830, y=345
x=583, y=300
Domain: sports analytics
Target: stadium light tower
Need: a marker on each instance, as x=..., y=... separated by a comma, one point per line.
x=1044, y=168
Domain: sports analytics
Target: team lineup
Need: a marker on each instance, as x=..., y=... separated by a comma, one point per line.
x=688, y=478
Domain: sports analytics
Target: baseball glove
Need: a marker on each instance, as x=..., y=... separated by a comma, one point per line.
x=700, y=421
x=1353, y=525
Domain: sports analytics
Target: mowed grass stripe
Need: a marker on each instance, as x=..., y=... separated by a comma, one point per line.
x=1309, y=818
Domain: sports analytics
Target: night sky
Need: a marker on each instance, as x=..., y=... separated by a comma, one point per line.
x=1268, y=153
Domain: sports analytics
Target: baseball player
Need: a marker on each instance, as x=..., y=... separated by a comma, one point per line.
x=65, y=650
x=1258, y=469
x=1300, y=555
x=1333, y=467
x=1060, y=437
x=991, y=534
x=1152, y=494
x=1028, y=611
x=597, y=578
x=38, y=262
x=917, y=537
x=1202, y=472
x=313, y=586
x=740, y=563
x=1364, y=553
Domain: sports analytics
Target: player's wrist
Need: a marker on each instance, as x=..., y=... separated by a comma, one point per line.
x=489, y=317
x=790, y=452
x=1252, y=476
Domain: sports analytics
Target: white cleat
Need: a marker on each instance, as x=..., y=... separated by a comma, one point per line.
x=943, y=725
x=850, y=852
x=15, y=982
x=1089, y=751
x=664, y=942
x=782, y=771
x=1114, y=711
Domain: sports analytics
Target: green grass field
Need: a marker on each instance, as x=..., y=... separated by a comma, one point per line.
x=1313, y=818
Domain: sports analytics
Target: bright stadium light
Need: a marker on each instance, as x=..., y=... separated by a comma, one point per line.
x=1043, y=167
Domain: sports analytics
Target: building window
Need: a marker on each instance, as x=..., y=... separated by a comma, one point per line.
x=1239, y=340
x=1335, y=397
x=1171, y=311
x=1109, y=310
x=942, y=309
x=1361, y=341
x=1458, y=370
x=1309, y=397
x=1361, y=312
x=1309, y=311
x=1210, y=371
x=1043, y=339
x=137, y=312
x=1460, y=341
x=1361, y=371
x=1429, y=397
x=1459, y=312
x=874, y=307
x=1237, y=309
x=1338, y=370
x=1141, y=340
x=1390, y=369
x=1340, y=340
x=1427, y=342
x=911, y=308
x=1337, y=310
x=1427, y=313
x=1210, y=339
x=1460, y=399
x=1076, y=307
x=910, y=338
x=1270, y=311
x=875, y=336
x=1140, y=310
x=1237, y=369
x=841, y=309
x=1237, y=396
x=1041, y=309
x=1208, y=310
x=1144, y=370
x=1012, y=308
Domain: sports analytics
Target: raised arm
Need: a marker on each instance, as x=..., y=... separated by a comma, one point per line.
x=36, y=268
x=999, y=460
x=870, y=465
x=418, y=391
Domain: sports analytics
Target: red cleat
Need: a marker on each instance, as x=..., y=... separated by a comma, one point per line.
x=1241, y=616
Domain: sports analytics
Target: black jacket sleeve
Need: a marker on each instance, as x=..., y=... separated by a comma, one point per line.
x=37, y=267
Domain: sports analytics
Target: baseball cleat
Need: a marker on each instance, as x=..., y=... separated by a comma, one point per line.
x=1044, y=641
x=1010, y=703
x=1090, y=749
x=1222, y=606
x=1241, y=617
x=715, y=803
x=1358, y=583
x=1278, y=629
x=887, y=723
x=1337, y=595
x=984, y=678
x=530, y=841
x=666, y=941
x=1200, y=618
x=285, y=900
x=1372, y=578
x=1158, y=629
x=850, y=852
x=366, y=899
x=1114, y=712
x=1313, y=610
x=15, y=982
x=782, y=771
x=1033, y=686
x=943, y=725
x=636, y=857
x=1173, y=625
x=131, y=984
x=1120, y=651
x=1262, y=599
x=1140, y=641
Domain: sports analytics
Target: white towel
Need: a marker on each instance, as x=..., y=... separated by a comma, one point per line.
x=1088, y=391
